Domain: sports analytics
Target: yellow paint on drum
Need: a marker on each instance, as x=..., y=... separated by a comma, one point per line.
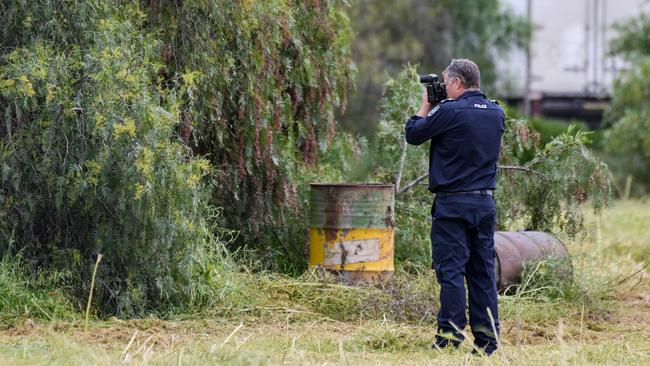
x=362, y=249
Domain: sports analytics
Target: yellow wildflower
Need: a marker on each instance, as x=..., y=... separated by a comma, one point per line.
x=139, y=190
x=126, y=128
x=27, y=22
x=204, y=165
x=131, y=79
x=50, y=93
x=40, y=73
x=144, y=161
x=192, y=180
x=93, y=172
x=27, y=87
x=189, y=78
x=6, y=84
x=99, y=121
x=129, y=96
x=188, y=224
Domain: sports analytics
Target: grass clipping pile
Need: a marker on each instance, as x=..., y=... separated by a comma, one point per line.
x=318, y=294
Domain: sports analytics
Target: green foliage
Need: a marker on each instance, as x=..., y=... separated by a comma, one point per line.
x=413, y=227
x=126, y=123
x=25, y=295
x=632, y=40
x=264, y=79
x=549, y=129
x=402, y=99
x=91, y=164
x=547, y=280
x=627, y=140
x=561, y=176
x=630, y=91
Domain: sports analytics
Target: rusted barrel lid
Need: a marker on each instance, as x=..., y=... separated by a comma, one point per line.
x=350, y=206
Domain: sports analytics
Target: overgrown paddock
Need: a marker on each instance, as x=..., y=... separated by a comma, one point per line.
x=272, y=319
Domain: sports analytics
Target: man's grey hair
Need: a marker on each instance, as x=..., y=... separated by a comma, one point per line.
x=465, y=70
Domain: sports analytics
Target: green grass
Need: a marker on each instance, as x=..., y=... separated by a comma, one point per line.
x=37, y=296
x=599, y=318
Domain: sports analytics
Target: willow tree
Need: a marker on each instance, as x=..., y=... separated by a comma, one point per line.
x=140, y=130
x=265, y=78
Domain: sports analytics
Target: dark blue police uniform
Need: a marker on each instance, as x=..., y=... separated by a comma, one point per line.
x=465, y=139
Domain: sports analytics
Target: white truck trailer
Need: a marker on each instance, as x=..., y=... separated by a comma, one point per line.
x=568, y=72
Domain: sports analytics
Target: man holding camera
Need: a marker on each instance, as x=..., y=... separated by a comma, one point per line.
x=465, y=132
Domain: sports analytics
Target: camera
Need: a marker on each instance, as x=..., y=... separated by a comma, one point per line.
x=435, y=88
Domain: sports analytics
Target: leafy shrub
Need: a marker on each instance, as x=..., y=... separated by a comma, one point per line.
x=548, y=193
x=91, y=163
x=549, y=129
x=627, y=140
x=126, y=123
x=266, y=78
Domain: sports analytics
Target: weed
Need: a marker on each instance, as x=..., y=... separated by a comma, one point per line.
x=25, y=295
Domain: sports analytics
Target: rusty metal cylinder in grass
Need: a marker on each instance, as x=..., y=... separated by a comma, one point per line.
x=352, y=230
x=515, y=249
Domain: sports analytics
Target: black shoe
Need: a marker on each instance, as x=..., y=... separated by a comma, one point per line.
x=483, y=351
x=444, y=342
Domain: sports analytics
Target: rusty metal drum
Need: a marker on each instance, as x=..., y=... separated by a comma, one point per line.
x=514, y=249
x=352, y=230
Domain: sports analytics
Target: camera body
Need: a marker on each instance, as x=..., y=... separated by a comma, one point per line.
x=435, y=88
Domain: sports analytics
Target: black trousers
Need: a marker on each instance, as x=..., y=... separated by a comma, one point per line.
x=462, y=237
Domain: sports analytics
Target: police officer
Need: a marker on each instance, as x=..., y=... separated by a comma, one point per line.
x=465, y=133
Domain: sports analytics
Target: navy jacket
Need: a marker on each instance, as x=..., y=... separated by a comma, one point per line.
x=465, y=139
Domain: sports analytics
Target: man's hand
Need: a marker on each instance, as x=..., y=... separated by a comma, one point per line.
x=426, y=107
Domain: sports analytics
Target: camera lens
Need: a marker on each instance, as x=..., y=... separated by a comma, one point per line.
x=429, y=78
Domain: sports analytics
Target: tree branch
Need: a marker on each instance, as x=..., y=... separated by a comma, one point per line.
x=412, y=183
x=401, y=165
x=523, y=169
x=417, y=180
